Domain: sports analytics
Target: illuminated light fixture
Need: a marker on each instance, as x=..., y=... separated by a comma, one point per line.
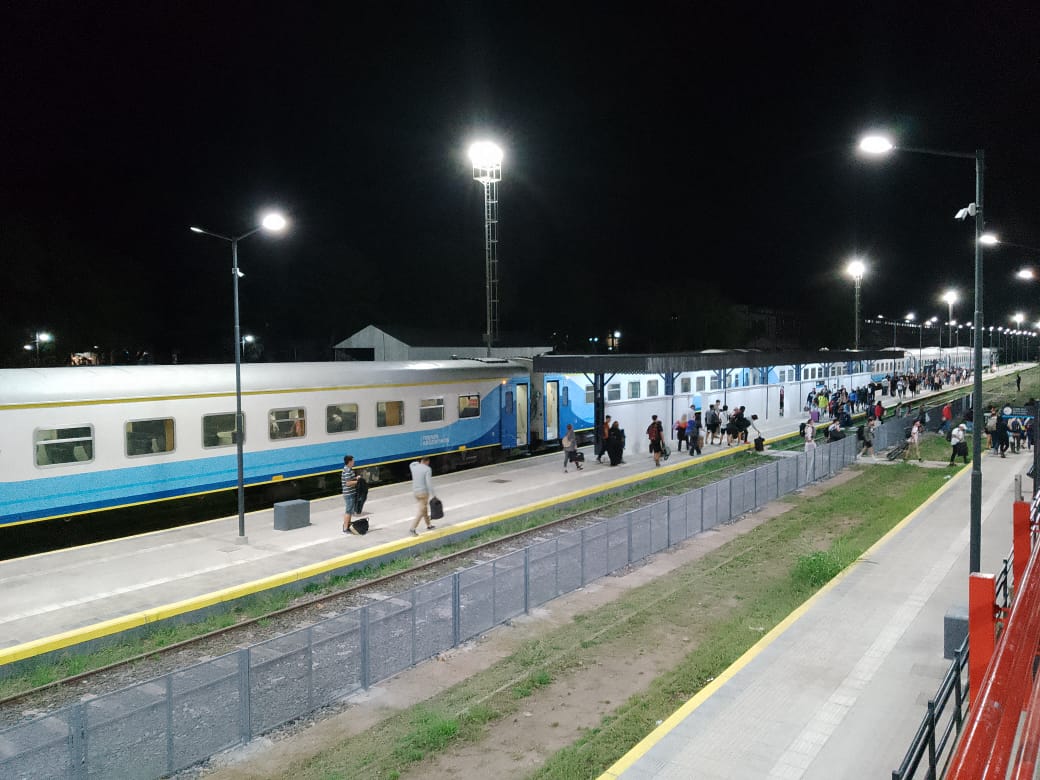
x=875, y=144
x=989, y=239
x=485, y=154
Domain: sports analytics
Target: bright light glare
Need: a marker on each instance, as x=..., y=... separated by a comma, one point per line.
x=875, y=144
x=194, y=229
x=910, y=317
x=950, y=297
x=1018, y=317
x=1026, y=273
x=484, y=154
x=274, y=222
x=28, y=347
x=855, y=269
x=44, y=336
x=989, y=239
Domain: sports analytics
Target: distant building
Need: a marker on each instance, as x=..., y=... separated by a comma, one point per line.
x=373, y=343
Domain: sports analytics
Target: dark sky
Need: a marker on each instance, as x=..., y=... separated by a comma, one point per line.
x=660, y=163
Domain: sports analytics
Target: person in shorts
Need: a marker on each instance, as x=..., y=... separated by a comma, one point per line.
x=348, y=480
x=655, y=433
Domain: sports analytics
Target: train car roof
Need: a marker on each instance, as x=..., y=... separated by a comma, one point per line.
x=98, y=383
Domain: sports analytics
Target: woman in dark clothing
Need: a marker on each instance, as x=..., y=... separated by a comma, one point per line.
x=615, y=443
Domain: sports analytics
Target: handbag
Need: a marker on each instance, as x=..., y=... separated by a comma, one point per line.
x=436, y=508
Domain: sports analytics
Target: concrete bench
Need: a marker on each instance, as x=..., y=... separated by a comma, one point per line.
x=292, y=514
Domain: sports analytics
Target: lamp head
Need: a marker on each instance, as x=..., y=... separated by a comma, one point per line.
x=989, y=239
x=855, y=269
x=876, y=144
x=274, y=222
x=950, y=297
x=485, y=154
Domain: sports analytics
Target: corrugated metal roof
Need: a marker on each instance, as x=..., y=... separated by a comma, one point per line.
x=708, y=360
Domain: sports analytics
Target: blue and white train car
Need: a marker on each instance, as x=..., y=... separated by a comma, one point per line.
x=82, y=439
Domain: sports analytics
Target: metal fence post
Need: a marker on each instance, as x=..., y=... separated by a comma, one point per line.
x=527, y=580
x=931, y=738
x=456, y=610
x=170, y=768
x=364, y=649
x=628, y=526
x=414, y=628
x=78, y=742
x=583, y=555
x=245, y=731
x=310, y=667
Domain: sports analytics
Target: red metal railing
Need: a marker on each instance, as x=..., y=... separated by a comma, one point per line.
x=1002, y=735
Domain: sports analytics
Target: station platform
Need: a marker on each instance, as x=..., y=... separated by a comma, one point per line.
x=839, y=688
x=58, y=599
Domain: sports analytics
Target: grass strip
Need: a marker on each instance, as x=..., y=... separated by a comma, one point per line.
x=723, y=603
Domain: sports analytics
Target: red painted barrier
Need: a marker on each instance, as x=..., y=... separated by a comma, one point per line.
x=985, y=748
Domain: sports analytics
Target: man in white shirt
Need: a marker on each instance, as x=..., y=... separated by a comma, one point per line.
x=422, y=489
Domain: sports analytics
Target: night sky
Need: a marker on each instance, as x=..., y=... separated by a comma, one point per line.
x=662, y=163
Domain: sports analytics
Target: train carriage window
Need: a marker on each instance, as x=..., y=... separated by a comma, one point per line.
x=614, y=392
x=55, y=446
x=149, y=437
x=700, y=384
x=218, y=430
x=287, y=423
x=633, y=389
x=590, y=394
x=431, y=410
x=715, y=384
x=469, y=406
x=341, y=418
x=510, y=409
x=684, y=385
x=389, y=413
x=652, y=386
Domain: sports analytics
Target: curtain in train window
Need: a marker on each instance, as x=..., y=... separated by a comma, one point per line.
x=389, y=413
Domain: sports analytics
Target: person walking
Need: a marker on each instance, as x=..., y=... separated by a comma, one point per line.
x=680, y=432
x=1001, y=440
x=711, y=422
x=960, y=446
x=616, y=444
x=947, y=417
x=1018, y=383
x=781, y=400
x=868, y=440
x=693, y=433
x=604, y=438
x=422, y=489
x=570, y=449
x=915, y=441
x=655, y=433
x=348, y=482
x=809, y=432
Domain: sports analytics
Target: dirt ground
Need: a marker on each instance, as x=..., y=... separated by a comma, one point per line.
x=550, y=719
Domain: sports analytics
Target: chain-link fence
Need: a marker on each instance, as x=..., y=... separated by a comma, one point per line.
x=164, y=725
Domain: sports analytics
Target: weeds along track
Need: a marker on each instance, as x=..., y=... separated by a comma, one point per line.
x=341, y=595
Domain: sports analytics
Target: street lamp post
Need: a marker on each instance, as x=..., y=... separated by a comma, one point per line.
x=487, y=169
x=951, y=298
x=39, y=337
x=909, y=319
x=274, y=223
x=855, y=269
x=876, y=144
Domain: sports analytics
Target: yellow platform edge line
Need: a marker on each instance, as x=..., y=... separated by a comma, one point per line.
x=107, y=628
x=650, y=740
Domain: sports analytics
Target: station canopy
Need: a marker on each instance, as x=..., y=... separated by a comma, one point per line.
x=708, y=360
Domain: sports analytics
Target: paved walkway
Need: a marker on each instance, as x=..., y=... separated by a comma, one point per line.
x=839, y=688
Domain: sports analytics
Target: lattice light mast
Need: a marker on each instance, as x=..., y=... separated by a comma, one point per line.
x=487, y=169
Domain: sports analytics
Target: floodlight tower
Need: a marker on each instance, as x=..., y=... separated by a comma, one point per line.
x=487, y=169
x=855, y=269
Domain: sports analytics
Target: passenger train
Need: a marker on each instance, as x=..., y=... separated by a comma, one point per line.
x=82, y=440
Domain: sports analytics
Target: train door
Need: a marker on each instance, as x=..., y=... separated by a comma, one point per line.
x=522, y=421
x=552, y=410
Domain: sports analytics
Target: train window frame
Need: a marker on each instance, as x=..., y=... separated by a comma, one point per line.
x=169, y=432
x=220, y=443
x=431, y=410
x=701, y=382
x=653, y=388
x=590, y=394
x=466, y=405
x=343, y=413
x=634, y=389
x=381, y=409
x=684, y=385
x=565, y=396
x=296, y=427
x=614, y=391
x=69, y=442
